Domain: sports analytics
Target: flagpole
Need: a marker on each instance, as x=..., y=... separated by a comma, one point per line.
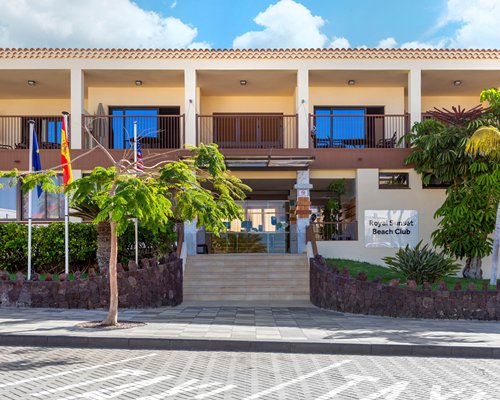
x=30, y=195
x=136, y=221
x=66, y=213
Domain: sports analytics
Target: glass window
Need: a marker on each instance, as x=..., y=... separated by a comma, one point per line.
x=8, y=200
x=436, y=183
x=47, y=206
x=393, y=180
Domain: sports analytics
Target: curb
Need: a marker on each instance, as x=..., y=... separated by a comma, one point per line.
x=367, y=349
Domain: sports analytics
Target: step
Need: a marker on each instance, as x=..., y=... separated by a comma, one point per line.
x=247, y=297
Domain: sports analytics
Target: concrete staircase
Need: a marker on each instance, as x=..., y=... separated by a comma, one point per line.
x=247, y=277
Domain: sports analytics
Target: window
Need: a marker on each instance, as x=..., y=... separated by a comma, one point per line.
x=435, y=183
x=8, y=200
x=46, y=207
x=157, y=126
x=393, y=180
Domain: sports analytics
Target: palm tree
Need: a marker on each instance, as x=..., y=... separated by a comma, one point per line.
x=88, y=211
x=485, y=141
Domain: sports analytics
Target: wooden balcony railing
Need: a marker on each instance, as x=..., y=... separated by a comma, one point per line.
x=117, y=131
x=248, y=131
x=335, y=230
x=14, y=131
x=358, y=131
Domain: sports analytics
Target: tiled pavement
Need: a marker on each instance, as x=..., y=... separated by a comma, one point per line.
x=301, y=328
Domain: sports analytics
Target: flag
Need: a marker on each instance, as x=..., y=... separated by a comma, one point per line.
x=35, y=160
x=65, y=159
x=140, y=164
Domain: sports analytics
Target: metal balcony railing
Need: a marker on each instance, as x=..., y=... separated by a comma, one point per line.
x=248, y=131
x=14, y=131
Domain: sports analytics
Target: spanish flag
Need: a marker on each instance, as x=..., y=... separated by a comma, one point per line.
x=65, y=159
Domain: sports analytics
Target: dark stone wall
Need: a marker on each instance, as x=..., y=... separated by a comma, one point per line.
x=335, y=290
x=153, y=285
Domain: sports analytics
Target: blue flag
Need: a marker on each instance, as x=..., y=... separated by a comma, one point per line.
x=35, y=159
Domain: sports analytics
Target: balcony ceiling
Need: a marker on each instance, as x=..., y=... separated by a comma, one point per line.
x=53, y=84
x=259, y=83
x=363, y=78
x=127, y=78
x=440, y=83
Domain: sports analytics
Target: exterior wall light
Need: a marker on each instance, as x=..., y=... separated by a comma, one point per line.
x=243, y=82
x=351, y=82
x=31, y=82
x=457, y=82
x=138, y=82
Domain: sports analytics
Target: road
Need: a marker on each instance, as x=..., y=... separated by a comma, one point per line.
x=98, y=374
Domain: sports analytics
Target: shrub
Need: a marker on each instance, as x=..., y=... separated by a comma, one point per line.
x=422, y=264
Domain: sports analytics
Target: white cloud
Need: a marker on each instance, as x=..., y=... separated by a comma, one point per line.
x=174, y=4
x=415, y=44
x=287, y=24
x=387, y=43
x=339, y=43
x=479, y=21
x=90, y=23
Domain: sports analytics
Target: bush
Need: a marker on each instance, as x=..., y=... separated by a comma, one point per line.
x=47, y=247
x=151, y=244
x=421, y=264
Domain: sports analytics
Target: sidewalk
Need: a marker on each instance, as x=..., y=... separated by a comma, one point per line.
x=278, y=328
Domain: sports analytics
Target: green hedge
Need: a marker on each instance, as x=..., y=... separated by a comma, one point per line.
x=47, y=247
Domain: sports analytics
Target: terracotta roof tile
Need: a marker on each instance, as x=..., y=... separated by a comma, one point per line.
x=451, y=54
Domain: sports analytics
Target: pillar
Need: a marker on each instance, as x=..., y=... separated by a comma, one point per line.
x=415, y=95
x=300, y=211
x=190, y=105
x=77, y=100
x=190, y=237
x=302, y=107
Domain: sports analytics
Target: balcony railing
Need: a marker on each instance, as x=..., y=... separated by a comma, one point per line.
x=358, y=131
x=335, y=230
x=14, y=131
x=117, y=131
x=248, y=131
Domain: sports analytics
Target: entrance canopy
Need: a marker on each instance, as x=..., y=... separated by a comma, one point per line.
x=269, y=161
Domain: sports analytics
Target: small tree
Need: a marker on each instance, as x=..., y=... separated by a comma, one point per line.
x=439, y=150
x=197, y=187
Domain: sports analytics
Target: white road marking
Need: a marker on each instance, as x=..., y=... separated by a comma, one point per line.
x=294, y=381
x=74, y=371
x=352, y=380
x=120, y=374
x=182, y=388
x=115, y=391
x=391, y=393
x=214, y=392
x=436, y=393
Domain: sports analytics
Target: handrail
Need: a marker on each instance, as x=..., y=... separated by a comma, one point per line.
x=311, y=238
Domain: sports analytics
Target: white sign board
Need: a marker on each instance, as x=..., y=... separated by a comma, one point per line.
x=391, y=228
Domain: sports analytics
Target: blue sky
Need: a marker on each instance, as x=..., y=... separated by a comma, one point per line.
x=250, y=23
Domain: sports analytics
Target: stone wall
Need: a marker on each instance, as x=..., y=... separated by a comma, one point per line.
x=153, y=285
x=335, y=290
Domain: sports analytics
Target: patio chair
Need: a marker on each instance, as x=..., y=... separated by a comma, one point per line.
x=388, y=143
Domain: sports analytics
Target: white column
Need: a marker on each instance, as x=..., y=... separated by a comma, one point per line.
x=415, y=95
x=301, y=199
x=190, y=237
x=190, y=105
x=302, y=107
x=77, y=99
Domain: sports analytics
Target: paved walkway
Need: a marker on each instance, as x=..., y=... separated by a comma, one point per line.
x=302, y=328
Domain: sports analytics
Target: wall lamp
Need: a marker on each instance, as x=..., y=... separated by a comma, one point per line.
x=138, y=82
x=243, y=82
x=31, y=82
x=351, y=82
x=458, y=82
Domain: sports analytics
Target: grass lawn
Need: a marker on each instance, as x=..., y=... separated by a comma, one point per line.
x=387, y=274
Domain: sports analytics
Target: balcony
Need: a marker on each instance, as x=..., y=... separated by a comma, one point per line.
x=117, y=131
x=248, y=131
x=356, y=131
x=14, y=131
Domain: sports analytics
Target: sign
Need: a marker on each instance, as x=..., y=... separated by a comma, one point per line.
x=391, y=228
x=303, y=193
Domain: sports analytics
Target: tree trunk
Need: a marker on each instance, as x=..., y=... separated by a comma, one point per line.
x=472, y=268
x=103, y=244
x=496, y=245
x=112, y=318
